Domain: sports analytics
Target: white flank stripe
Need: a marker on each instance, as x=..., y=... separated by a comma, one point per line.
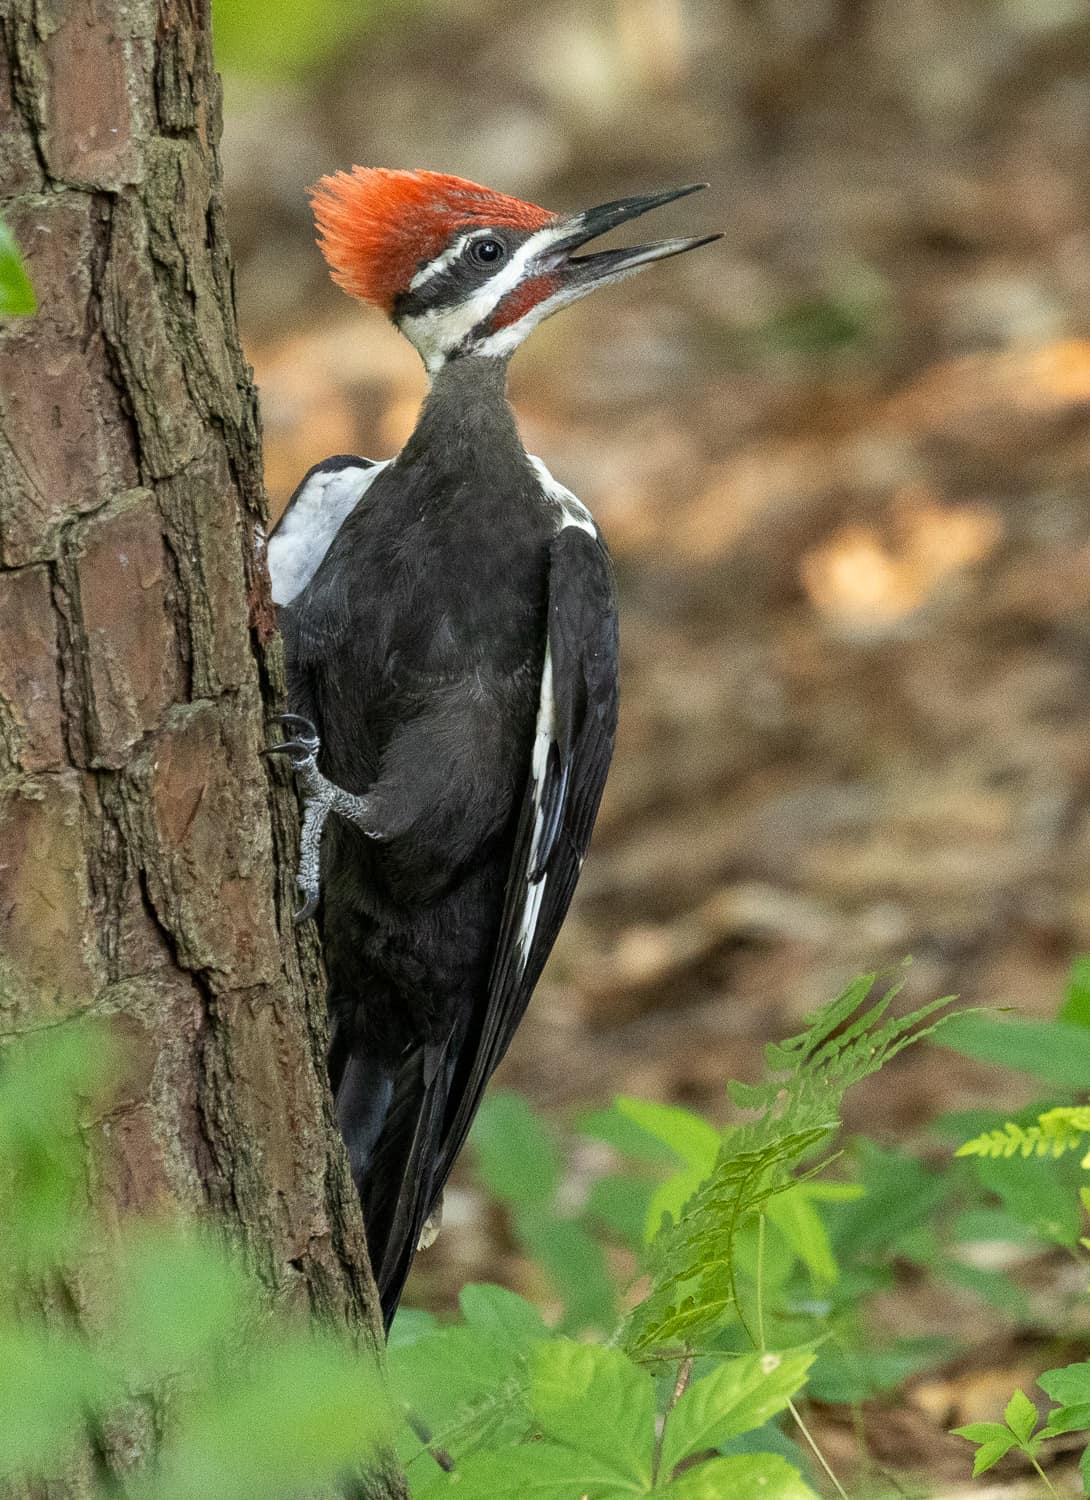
x=309, y=525
x=543, y=738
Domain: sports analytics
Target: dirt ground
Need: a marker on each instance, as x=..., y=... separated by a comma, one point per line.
x=841, y=458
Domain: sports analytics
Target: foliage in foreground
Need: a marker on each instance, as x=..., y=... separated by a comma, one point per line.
x=821, y=1249
x=250, y=1406
x=748, y=1275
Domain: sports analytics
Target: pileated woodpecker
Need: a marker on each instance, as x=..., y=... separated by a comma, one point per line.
x=451, y=636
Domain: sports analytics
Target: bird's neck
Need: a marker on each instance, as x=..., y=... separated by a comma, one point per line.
x=465, y=421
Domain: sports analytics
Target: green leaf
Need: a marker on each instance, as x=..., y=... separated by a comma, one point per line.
x=846, y=1374
x=500, y=1314
x=1055, y=1051
x=670, y=1197
x=989, y=1454
x=981, y=1432
x=620, y=1202
x=615, y=1129
x=1068, y=1384
x=16, y=293
x=575, y=1264
x=516, y=1154
x=450, y=1369
x=740, y=1395
x=752, y=1474
x=1021, y=1416
x=1040, y=1198
x=689, y=1137
x=177, y=1295
x=1084, y=1470
x=797, y=1219
x=1067, y=1419
x=297, y=1413
x=597, y=1401
x=539, y=1471
x=410, y=1325
x=45, y=1383
x=1076, y=1004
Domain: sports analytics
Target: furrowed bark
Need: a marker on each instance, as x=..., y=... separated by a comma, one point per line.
x=146, y=850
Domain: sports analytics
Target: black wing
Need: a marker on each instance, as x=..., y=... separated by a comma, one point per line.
x=577, y=721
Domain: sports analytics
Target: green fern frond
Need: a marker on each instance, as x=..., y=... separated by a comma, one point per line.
x=691, y=1258
x=1056, y=1132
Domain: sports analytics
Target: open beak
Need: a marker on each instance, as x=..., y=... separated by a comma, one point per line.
x=586, y=271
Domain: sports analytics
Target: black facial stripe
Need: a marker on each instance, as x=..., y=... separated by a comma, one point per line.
x=443, y=289
x=462, y=278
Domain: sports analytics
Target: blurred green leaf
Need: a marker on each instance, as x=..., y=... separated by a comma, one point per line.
x=300, y=1413
x=751, y=1474
x=500, y=1314
x=621, y=1203
x=516, y=1153
x=46, y=1081
x=17, y=297
x=178, y=1295
x=537, y=1471
x=446, y=1371
x=1037, y=1195
x=615, y=1129
x=795, y=1216
x=1076, y=1002
x=670, y=1197
x=597, y=1401
x=575, y=1264
x=900, y=1194
x=690, y=1138
x=845, y=1373
x=278, y=39
x=1057, y=1052
x=1069, y=1384
x=46, y=1383
x=742, y=1394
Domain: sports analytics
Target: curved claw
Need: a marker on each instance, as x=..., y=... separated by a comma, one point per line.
x=307, y=910
x=304, y=745
x=297, y=724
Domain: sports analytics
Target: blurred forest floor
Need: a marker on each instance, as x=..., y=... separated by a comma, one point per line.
x=841, y=459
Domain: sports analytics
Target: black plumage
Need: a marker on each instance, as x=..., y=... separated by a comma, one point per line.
x=451, y=636
x=418, y=651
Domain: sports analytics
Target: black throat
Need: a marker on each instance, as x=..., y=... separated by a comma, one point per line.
x=466, y=426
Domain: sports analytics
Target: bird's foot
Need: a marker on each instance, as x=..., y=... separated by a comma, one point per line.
x=320, y=798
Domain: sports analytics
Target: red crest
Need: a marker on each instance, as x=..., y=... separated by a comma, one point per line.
x=376, y=226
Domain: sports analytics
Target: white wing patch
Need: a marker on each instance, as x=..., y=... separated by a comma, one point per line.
x=543, y=739
x=308, y=526
x=572, y=510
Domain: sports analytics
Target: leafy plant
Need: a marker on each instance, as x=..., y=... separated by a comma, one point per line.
x=16, y=293
x=1057, y=1131
x=1042, y=1202
x=250, y=1404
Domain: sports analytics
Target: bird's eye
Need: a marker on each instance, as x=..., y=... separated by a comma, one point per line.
x=486, y=252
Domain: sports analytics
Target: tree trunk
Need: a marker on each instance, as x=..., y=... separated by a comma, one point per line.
x=146, y=850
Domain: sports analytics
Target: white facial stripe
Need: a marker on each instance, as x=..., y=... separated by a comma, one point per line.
x=440, y=330
x=440, y=263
